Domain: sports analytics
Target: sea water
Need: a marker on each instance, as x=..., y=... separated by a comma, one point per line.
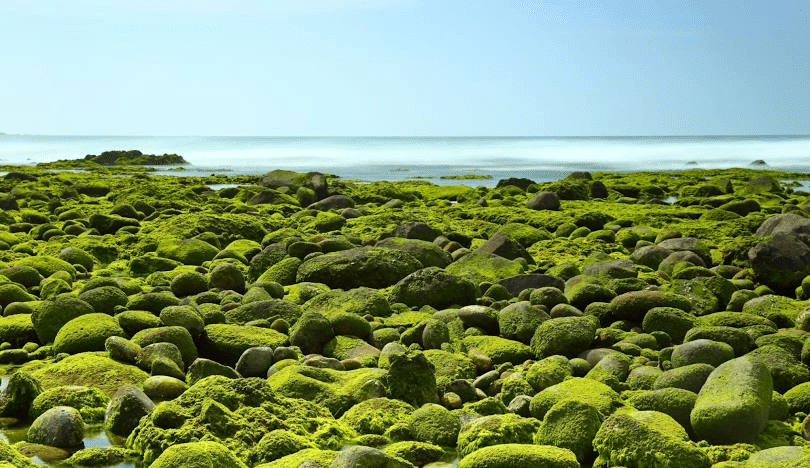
x=400, y=158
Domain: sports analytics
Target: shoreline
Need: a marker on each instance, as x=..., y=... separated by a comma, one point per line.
x=405, y=319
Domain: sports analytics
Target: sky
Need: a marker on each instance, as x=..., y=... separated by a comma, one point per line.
x=405, y=67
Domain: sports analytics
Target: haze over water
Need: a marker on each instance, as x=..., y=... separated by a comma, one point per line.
x=398, y=158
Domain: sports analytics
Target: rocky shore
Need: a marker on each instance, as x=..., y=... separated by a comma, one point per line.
x=291, y=320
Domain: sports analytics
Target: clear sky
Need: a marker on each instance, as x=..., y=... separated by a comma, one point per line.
x=405, y=67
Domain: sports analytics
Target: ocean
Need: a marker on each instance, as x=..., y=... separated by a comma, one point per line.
x=400, y=158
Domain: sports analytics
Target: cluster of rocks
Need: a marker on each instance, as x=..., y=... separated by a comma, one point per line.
x=302, y=321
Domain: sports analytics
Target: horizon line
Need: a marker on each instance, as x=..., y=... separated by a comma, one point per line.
x=695, y=135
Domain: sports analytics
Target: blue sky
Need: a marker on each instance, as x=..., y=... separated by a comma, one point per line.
x=405, y=67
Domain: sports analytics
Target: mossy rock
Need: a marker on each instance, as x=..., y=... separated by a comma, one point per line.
x=225, y=343
x=20, y=392
x=434, y=424
x=786, y=369
x=17, y=329
x=133, y=321
x=104, y=299
x=601, y=396
x=47, y=265
x=100, y=456
x=278, y=443
x=702, y=351
x=520, y=456
x=153, y=301
x=361, y=301
x=418, y=453
x=670, y=320
x=50, y=316
x=449, y=367
x=434, y=287
x=479, y=267
x=86, y=369
x=376, y=415
x=362, y=266
x=11, y=292
x=646, y=438
x=189, y=283
x=306, y=457
x=344, y=347
x=336, y=390
x=188, y=251
x=571, y=425
x=311, y=332
x=265, y=309
x=86, y=333
x=198, y=455
x=690, y=377
x=634, y=305
x=178, y=336
x=734, y=403
x=90, y=401
x=428, y=253
x=283, y=272
x=411, y=377
x=567, y=336
x=494, y=430
x=548, y=371
x=676, y=402
x=499, y=350
x=518, y=321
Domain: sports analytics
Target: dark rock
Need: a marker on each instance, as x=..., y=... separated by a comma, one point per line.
x=435, y=287
x=544, y=201
x=414, y=230
x=781, y=262
x=519, y=182
x=60, y=426
x=332, y=202
x=502, y=245
x=516, y=284
x=125, y=410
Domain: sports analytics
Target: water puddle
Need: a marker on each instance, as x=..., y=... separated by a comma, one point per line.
x=94, y=437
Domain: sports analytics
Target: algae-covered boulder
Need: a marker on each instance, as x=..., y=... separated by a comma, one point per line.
x=268, y=309
x=670, y=320
x=86, y=333
x=125, y=409
x=676, y=402
x=11, y=292
x=358, y=456
x=17, y=329
x=479, y=267
x=634, y=305
x=49, y=316
x=781, y=262
x=518, y=321
x=690, y=377
x=189, y=283
x=279, y=443
x=206, y=454
x=434, y=424
x=188, y=251
x=567, y=336
x=646, y=438
x=236, y=413
x=428, y=253
x=418, y=453
x=19, y=394
x=227, y=276
x=376, y=415
x=734, y=403
x=597, y=394
x=100, y=456
x=86, y=369
x=361, y=266
x=11, y=458
x=176, y=335
x=90, y=401
x=411, y=378
x=434, y=287
x=60, y=426
x=47, y=265
x=104, y=299
x=494, y=430
x=361, y=301
x=225, y=343
x=307, y=457
x=572, y=425
x=702, y=351
x=311, y=332
x=548, y=371
x=499, y=350
x=520, y=456
x=335, y=390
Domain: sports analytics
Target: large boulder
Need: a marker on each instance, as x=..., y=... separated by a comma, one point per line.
x=734, y=403
x=225, y=343
x=60, y=426
x=49, y=316
x=781, y=262
x=428, y=253
x=646, y=438
x=125, y=410
x=86, y=333
x=520, y=455
x=434, y=287
x=362, y=266
x=207, y=454
x=567, y=336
